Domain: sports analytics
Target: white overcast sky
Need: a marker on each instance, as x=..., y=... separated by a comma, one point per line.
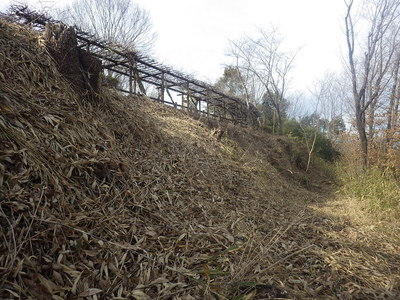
x=192, y=35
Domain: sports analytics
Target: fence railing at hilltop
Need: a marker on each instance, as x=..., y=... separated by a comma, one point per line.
x=195, y=96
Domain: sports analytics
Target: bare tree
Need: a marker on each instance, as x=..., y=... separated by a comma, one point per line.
x=330, y=93
x=394, y=101
x=368, y=73
x=119, y=21
x=265, y=59
x=246, y=79
x=310, y=141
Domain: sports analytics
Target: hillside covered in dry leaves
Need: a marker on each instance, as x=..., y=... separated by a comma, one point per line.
x=125, y=198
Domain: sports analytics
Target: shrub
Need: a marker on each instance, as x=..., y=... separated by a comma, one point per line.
x=323, y=146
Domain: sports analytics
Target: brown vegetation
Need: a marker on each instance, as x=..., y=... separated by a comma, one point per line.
x=129, y=199
x=75, y=64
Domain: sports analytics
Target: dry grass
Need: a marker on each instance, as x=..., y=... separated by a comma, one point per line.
x=129, y=199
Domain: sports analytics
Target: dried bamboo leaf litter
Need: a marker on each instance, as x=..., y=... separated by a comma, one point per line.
x=128, y=199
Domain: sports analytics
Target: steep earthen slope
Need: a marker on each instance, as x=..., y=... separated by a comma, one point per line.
x=128, y=199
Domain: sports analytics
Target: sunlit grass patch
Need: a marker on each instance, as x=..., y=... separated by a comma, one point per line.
x=378, y=190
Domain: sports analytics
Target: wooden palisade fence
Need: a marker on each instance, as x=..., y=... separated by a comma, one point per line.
x=136, y=69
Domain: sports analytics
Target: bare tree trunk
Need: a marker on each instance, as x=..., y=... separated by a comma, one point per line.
x=273, y=122
x=310, y=151
x=363, y=141
x=371, y=121
x=280, y=121
x=393, y=105
x=358, y=95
